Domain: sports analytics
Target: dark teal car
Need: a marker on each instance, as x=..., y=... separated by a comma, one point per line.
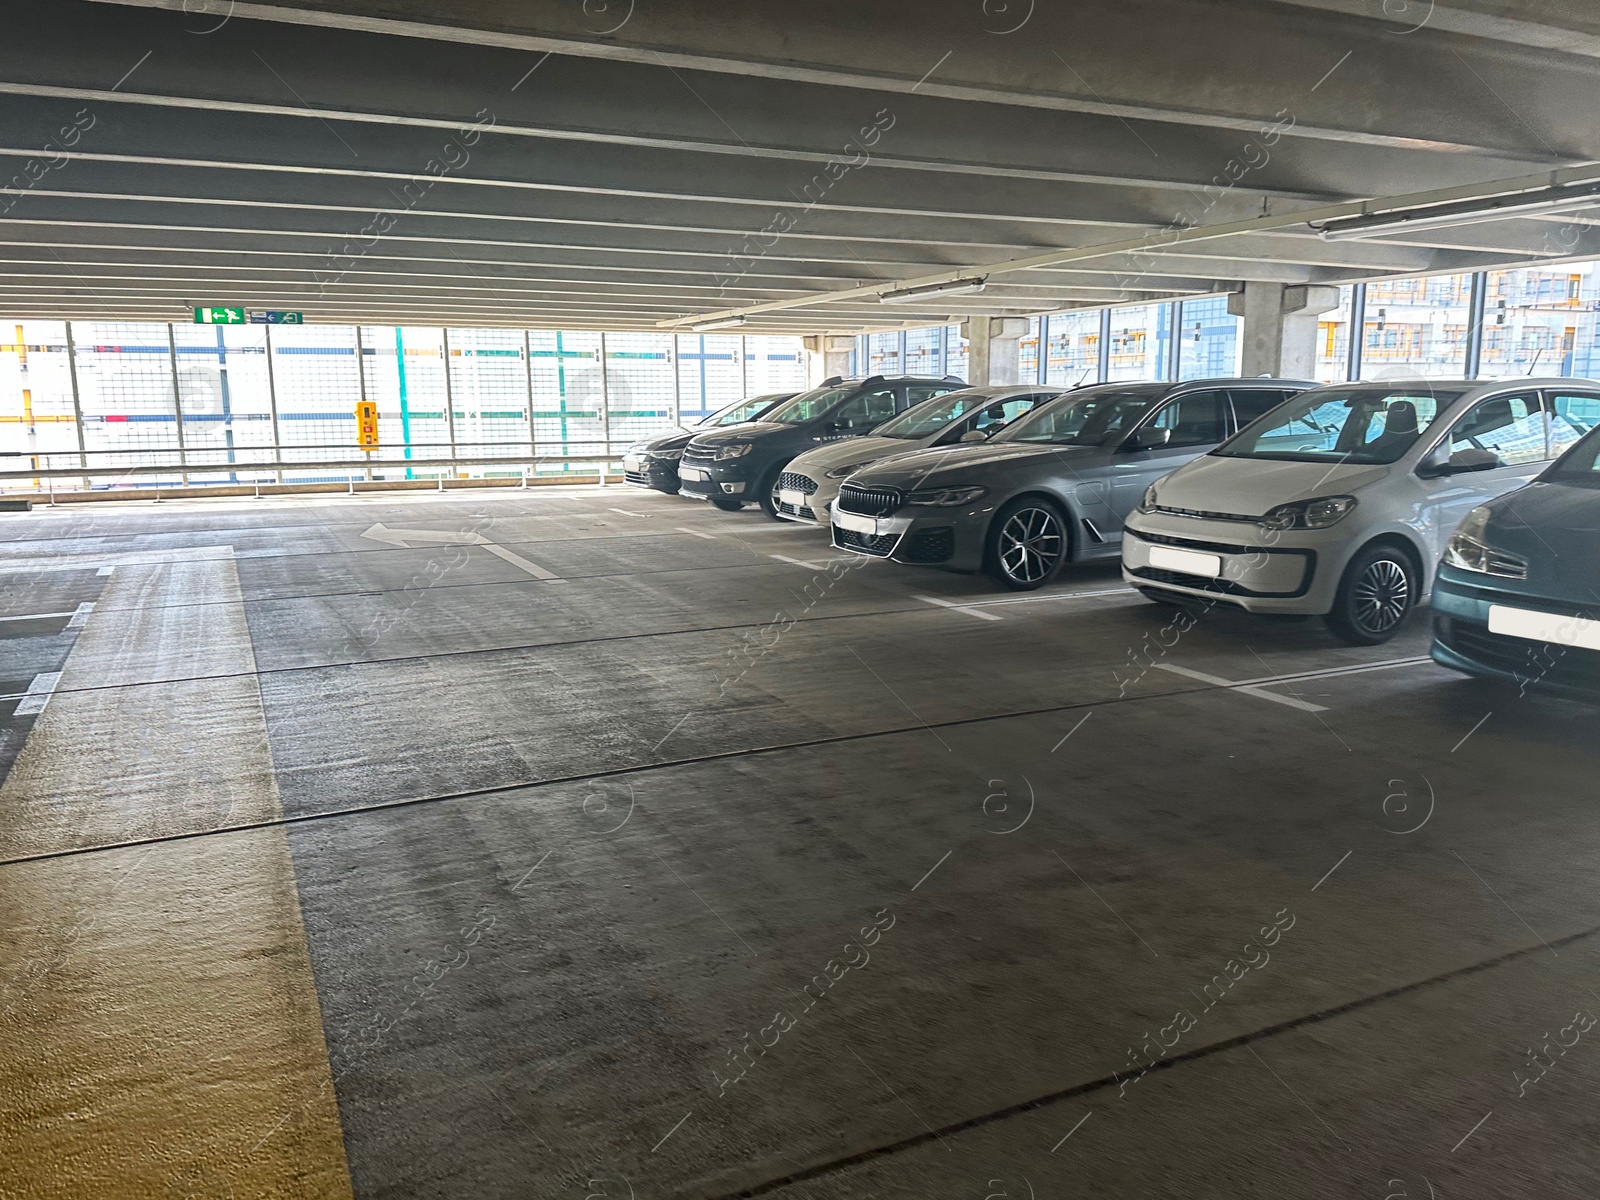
x=1517, y=597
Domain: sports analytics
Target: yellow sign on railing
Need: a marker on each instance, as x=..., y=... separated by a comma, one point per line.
x=367, y=424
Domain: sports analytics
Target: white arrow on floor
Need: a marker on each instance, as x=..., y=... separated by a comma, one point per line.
x=404, y=537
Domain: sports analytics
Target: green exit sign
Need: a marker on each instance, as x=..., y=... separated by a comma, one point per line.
x=219, y=316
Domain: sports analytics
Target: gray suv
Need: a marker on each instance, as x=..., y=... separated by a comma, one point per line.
x=1052, y=486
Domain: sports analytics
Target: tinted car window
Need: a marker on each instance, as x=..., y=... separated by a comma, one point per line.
x=1195, y=419
x=1006, y=411
x=1351, y=425
x=1250, y=403
x=1084, y=419
x=916, y=393
x=926, y=418
x=1509, y=426
x=1571, y=416
x=808, y=406
x=867, y=409
x=1580, y=465
x=737, y=414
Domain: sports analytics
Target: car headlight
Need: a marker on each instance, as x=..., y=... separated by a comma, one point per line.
x=841, y=472
x=668, y=455
x=738, y=451
x=1469, y=549
x=1147, y=502
x=947, y=497
x=1309, y=514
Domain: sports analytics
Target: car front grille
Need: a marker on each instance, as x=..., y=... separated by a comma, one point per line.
x=1206, y=514
x=803, y=511
x=793, y=481
x=869, y=502
x=638, y=478
x=698, y=458
x=1533, y=662
x=929, y=545
x=880, y=546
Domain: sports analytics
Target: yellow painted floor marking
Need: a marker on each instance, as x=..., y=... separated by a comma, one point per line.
x=160, y=1034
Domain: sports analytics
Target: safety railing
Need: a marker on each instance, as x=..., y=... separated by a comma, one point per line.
x=37, y=472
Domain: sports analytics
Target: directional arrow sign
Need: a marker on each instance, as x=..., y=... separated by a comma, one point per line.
x=404, y=537
x=219, y=316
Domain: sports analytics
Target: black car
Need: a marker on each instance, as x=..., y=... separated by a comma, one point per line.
x=1517, y=597
x=732, y=466
x=653, y=463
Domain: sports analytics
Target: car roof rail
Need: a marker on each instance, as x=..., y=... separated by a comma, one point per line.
x=832, y=381
x=871, y=379
x=955, y=379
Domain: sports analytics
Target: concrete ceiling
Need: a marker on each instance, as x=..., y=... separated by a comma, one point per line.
x=630, y=164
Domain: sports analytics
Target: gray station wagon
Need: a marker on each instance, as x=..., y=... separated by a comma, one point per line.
x=1052, y=486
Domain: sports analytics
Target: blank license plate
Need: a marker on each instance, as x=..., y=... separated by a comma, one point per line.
x=691, y=473
x=630, y=463
x=855, y=523
x=792, y=498
x=1544, y=627
x=1188, y=562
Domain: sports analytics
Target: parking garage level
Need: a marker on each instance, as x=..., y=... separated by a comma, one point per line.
x=566, y=627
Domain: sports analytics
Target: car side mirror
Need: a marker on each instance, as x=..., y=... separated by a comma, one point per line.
x=842, y=424
x=1441, y=462
x=974, y=435
x=1147, y=438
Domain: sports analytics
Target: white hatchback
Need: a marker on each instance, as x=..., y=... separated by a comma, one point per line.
x=1339, y=502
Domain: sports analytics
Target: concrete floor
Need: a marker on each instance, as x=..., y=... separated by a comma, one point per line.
x=352, y=856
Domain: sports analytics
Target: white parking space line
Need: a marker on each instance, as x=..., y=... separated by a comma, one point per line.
x=1121, y=591
x=81, y=615
x=799, y=562
x=105, y=570
x=960, y=608
x=1218, y=681
x=40, y=617
x=1254, y=686
x=38, y=694
x=710, y=537
x=629, y=512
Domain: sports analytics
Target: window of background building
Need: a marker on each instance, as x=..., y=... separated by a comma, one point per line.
x=1417, y=327
x=1140, y=342
x=1074, y=350
x=1208, y=339
x=1333, y=340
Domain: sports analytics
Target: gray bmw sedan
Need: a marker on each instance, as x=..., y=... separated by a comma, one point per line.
x=1051, y=487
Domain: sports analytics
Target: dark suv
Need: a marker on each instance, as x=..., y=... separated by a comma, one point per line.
x=743, y=462
x=653, y=463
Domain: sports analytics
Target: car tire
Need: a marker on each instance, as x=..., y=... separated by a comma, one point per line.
x=767, y=491
x=727, y=503
x=1377, y=593
x=1026, y=544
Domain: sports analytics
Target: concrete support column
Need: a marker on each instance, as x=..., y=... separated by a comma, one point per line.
x=827, y=355
x=1280, y=327
x=993, y=349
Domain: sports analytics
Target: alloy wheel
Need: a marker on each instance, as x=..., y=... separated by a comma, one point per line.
x=1031, y=544
x=1382, y=596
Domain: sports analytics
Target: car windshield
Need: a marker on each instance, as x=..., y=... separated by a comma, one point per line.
x=1088, y=418
x=1368, y=425
x=737, y=414
x=1579, y=465
x=808, y=406
x=930, y=416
